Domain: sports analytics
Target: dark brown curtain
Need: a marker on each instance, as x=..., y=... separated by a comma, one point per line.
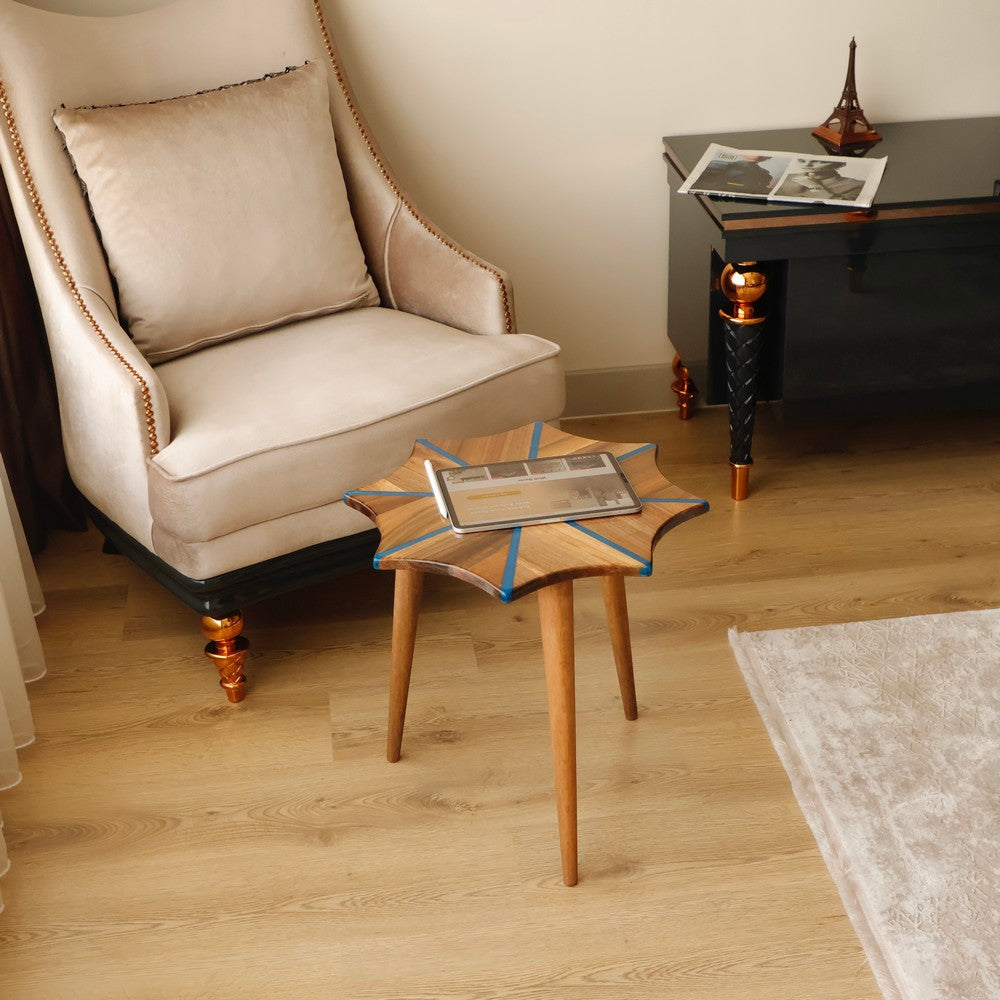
x=30, y=440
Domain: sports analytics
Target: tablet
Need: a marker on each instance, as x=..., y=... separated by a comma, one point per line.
x=535, y=491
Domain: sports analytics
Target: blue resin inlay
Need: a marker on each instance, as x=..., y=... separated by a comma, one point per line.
x=635, y=451
x=385, y=493
x=379, y=556
x=647, y=566
x=441, y=451
x=536, y=439
x=507, y=584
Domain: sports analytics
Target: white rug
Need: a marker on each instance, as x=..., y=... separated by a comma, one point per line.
x=890, y=734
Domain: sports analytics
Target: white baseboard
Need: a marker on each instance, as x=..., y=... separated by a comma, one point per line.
x=602, y=391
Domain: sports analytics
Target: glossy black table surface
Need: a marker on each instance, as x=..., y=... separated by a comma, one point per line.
x=893, y=304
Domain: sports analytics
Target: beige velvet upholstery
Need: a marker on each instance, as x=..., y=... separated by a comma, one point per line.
x=355, y=416
x=240, y=451
x=221, y=213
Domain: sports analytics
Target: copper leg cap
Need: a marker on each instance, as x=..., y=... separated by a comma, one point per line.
x=236, y=689
x=740, y=481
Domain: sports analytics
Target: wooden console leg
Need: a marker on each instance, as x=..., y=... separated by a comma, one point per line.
x=555, y=605
x=613, y=586
x=227, y=649
x=409, y=586
x=685, y=389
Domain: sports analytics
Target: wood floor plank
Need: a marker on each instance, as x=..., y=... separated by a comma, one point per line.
x=166, y=843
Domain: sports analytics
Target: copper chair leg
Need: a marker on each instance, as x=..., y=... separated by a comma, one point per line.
x=227, y=649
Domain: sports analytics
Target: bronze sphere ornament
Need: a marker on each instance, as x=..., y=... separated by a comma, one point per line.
x=743, y=284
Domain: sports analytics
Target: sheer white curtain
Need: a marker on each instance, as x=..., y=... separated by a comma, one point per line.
x=21, y=657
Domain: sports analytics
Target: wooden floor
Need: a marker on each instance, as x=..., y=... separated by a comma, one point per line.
x=166, y=844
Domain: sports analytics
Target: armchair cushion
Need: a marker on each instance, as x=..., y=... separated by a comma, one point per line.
x=322, y=406
x=222, y=213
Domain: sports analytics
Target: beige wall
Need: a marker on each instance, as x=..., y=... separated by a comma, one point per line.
x=530, y=130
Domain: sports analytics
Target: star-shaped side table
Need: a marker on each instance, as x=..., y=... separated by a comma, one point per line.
x=512, y=562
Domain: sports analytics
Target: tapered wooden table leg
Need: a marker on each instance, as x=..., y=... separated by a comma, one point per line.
x=555, y=604
x=621, y=641
x=406, y=609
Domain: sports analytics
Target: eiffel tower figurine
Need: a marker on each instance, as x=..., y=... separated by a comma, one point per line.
x=847, y=131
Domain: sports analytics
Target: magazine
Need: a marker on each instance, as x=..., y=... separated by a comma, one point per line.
x=533, y=491
x=794, y=177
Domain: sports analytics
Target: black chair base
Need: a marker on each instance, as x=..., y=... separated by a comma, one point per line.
x=222, y=596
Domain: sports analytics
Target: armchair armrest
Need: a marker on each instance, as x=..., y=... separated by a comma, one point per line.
x=416, y=268
x=429, y=274
x=112, y=407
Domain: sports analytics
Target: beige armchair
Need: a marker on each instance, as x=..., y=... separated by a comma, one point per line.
x=247, y=315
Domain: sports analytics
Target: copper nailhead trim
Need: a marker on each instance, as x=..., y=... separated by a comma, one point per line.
x=387, y=177
x=43, y=221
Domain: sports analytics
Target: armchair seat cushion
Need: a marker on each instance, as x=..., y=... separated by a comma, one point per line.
x=284, y=422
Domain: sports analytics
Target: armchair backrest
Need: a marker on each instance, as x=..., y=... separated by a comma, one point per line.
x=48, y=60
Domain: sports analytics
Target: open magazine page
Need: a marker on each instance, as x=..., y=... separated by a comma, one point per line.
x=795, y=177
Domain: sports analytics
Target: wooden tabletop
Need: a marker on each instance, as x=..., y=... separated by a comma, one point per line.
x=512, y=562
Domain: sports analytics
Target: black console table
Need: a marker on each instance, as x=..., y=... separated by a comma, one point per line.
x=881, y=308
